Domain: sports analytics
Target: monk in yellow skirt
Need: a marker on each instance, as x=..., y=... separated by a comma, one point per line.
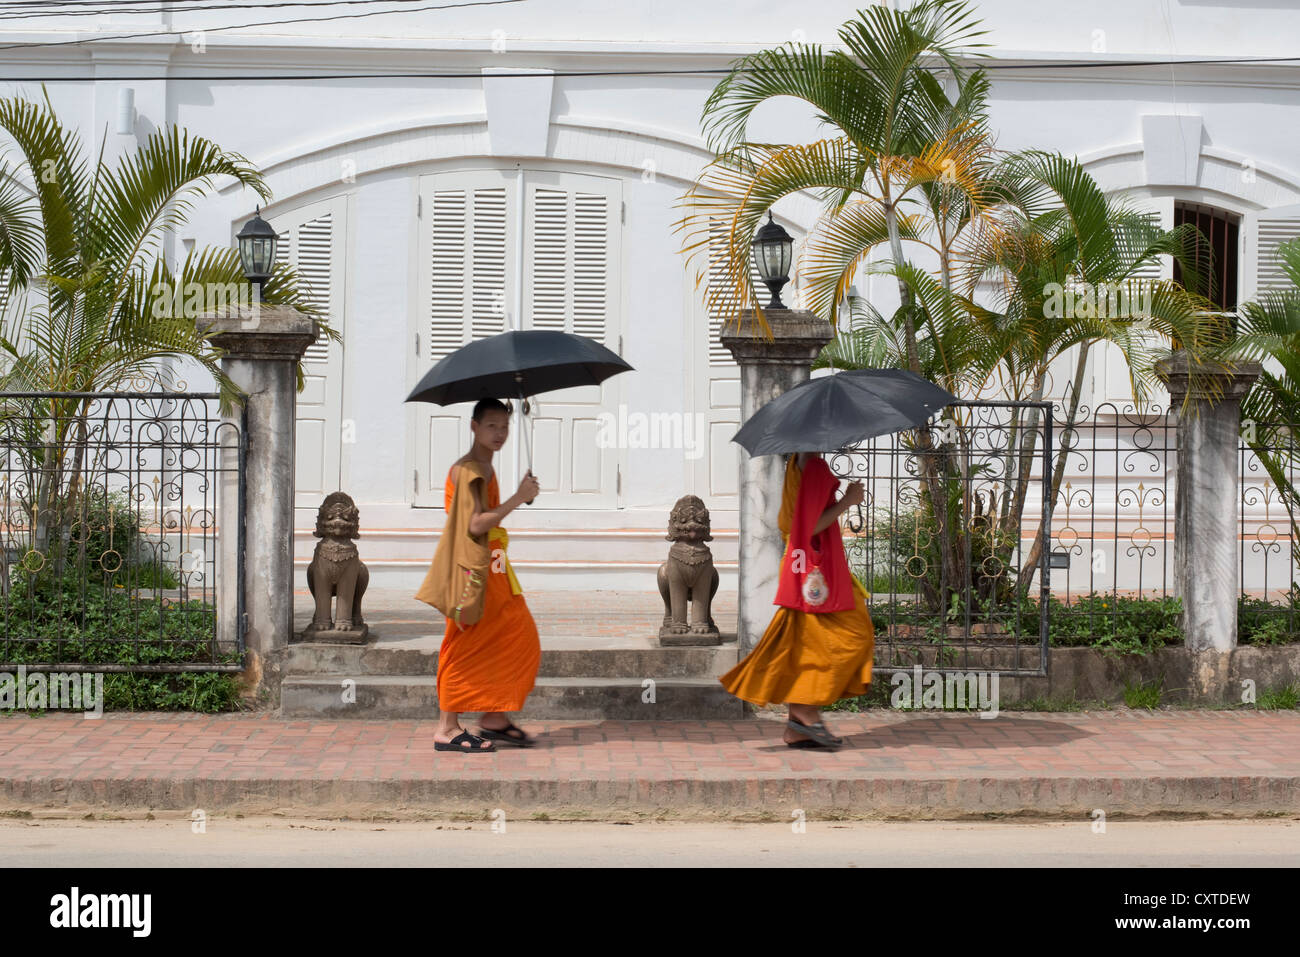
x=819, y=645
x=491, y=665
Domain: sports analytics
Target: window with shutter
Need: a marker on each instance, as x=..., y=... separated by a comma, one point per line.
x=1217, y=252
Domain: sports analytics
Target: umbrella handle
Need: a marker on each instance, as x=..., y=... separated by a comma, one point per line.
x=857, y=524
x=523, y=427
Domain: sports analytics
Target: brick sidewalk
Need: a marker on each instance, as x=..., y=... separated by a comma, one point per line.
x=897, y=764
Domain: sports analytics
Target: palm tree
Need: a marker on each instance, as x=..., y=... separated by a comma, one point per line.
x=913, y=165
x=1060, y=232
x=903, y=147
x=91, y=293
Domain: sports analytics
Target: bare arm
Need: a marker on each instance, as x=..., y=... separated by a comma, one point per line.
x=851, y=497
x=484, y=519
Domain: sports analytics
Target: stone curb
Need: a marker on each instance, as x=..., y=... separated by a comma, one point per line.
x=913, y=797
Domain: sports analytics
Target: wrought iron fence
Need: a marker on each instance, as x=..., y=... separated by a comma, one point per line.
x=109, y=531
x=1268, y=550
x=969, y=586
x=944, y=538
x=1113, y=528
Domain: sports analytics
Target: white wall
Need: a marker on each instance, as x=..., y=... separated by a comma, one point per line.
x=304, y=133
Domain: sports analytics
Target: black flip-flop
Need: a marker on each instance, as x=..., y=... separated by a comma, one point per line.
x=504, y=735
x=455, y=744
x=817, y=732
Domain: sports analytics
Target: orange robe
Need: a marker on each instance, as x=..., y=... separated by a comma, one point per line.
x=812, y=658
x=492, y=664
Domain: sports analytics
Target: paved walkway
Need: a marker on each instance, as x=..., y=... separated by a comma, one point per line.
x=913, y=765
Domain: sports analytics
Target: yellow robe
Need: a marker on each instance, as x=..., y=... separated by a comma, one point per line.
x=812, y=658
x=492, y=664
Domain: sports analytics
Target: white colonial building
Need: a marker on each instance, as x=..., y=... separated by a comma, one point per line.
x=443, y=174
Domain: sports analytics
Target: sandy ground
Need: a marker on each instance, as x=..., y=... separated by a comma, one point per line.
x=175, y=840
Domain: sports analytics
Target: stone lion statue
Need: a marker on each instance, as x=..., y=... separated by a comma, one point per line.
x=336, y=570
x=689, y=576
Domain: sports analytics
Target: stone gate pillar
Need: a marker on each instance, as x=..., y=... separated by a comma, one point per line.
x=1206, y=509
x=263, y=345
x=768, y=368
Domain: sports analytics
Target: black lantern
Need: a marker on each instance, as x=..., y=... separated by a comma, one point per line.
x=773, y=251
x=257, y=249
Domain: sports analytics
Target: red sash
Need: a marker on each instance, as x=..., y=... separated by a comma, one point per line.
x=825, y=550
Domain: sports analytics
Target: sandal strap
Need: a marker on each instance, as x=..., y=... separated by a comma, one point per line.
x=474, y=740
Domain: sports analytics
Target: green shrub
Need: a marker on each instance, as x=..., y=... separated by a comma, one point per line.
x=1263, y=622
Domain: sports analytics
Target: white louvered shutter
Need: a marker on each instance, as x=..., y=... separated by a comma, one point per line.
x=569, y=245
x=468, y=266
x=720, y=355
x=311, y=240
x=315, y=273
x=447, y=283
x=1264, y=231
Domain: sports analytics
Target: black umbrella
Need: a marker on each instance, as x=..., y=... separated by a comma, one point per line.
x=516, y=365
x=835, y=411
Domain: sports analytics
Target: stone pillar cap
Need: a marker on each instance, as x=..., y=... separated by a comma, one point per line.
x=1211, y=380
x=794, y=335
x=261, y=331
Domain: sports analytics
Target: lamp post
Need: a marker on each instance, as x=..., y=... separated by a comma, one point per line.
x=773, y=250
x=257, y=241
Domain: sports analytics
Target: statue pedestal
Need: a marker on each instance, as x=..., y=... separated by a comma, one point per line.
x=670, y=640
x=350, y=636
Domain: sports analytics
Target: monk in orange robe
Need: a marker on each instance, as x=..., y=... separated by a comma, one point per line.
x=491, y=665
x=820, y=643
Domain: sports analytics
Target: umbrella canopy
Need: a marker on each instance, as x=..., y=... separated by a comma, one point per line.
x=835, y=411
x=515, y=364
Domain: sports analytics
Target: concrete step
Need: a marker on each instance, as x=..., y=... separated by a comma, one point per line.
x=575, y=658
x=569, y=698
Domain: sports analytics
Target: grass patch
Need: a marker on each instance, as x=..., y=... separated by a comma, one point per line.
x=1144, y=694
x=1285, y=698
